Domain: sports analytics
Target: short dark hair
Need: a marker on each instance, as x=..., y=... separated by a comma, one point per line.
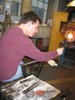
x=29, y=16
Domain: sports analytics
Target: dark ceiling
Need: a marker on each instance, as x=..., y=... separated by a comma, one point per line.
x=71, y=9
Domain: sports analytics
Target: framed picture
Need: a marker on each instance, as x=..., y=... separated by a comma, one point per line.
x=63, y=27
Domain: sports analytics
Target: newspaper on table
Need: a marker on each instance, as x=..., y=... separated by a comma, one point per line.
x=30, y=88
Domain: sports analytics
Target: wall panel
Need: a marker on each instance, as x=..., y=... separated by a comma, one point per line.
x=56, y=36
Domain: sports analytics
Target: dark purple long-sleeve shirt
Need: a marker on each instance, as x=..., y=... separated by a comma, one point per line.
x=14, y=45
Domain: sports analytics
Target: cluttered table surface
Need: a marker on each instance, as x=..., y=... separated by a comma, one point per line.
x=30, y=88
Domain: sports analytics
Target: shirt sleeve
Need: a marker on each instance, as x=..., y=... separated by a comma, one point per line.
x=31, y=51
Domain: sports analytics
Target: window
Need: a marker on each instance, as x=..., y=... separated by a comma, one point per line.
x=2, y=6
x=14, y=8
x=40, y=7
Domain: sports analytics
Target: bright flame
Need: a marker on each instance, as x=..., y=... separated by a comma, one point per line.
x=70, y=35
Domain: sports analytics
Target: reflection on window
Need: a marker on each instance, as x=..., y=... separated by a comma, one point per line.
x=14, y=8
x=2, y=5
x=39, y=11
x=40, y=7
x=46, y=1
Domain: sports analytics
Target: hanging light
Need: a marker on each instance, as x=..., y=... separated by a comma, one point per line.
x=71, y=4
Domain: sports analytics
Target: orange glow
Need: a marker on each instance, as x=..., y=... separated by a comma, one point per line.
x=69, y=35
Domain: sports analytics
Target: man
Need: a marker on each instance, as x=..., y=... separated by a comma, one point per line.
x=15, y=44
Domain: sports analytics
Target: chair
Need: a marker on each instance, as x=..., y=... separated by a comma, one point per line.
x=32, y=67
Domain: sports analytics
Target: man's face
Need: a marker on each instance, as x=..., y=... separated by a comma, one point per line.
x=33, y=28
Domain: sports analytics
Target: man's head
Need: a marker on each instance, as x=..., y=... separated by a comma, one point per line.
x=30, y=22
x=29, y=16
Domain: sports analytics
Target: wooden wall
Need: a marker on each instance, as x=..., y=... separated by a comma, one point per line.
x=26, y=5
x=56, y=36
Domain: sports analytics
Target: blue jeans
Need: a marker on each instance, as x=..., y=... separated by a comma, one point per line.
x=18, y=75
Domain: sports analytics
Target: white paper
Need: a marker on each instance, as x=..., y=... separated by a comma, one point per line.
x=17, y=91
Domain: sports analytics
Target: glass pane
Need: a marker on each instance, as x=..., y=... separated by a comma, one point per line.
x=45, y=6
x=44, y=17
x=40, y=12
x=8, y=7
x=2, y=6
x=14, y=8
x=41, y=0
x=40, y=4
x=46, y=1
x=34, y=8
x=40, y=7
x=34, y=2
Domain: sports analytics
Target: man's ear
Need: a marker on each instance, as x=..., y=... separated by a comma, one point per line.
x=32, y=22
x=29, y=24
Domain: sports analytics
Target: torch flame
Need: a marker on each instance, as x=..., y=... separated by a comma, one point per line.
x=70, y=35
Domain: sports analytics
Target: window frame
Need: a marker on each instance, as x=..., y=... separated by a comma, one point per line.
x=40, y=8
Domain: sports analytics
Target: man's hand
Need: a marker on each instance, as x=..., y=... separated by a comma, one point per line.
x=60, y=51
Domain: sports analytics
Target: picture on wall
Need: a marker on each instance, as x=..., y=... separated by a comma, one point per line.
x=63, y=27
